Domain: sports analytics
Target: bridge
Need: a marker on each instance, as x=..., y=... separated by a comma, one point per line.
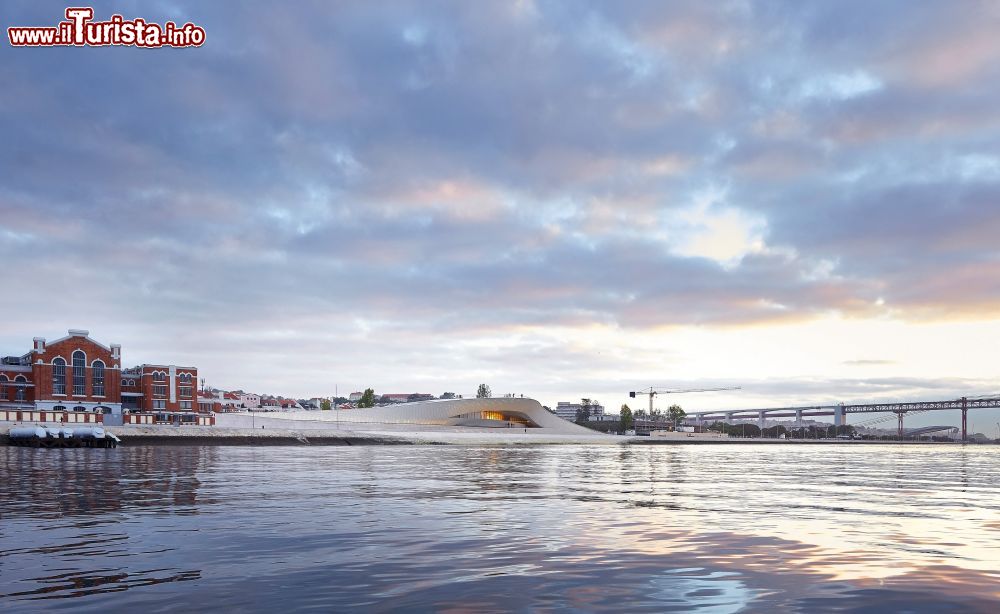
x=840, y=411
x=927, y=430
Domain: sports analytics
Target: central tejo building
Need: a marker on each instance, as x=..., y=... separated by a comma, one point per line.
x=77, y=373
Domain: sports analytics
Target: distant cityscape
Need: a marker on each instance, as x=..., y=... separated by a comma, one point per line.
x=76, y=373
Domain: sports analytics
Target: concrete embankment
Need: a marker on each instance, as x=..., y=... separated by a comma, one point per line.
x=653, y=441
x=215, y=436
x=304, y=434
x=319, y=434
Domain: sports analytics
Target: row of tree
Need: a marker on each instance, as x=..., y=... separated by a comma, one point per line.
x=748, y=430
x=627, y=418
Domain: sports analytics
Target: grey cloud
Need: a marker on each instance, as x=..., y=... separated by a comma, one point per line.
x=450, y=168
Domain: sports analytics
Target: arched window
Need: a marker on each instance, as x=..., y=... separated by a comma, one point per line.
x=97, y=378
x=59, y=376
x=184, y=387
x=3, y=387
x=159, y=376
x=19, y=383
x=79, y=373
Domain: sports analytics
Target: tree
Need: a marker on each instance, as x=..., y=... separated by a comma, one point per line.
x=627, y=422
x=583, y=412
x=367, y=399
x=325, y=405
x=675, y=414
x=484, y=392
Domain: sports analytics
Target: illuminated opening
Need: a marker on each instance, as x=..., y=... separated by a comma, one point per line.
x=502, y=417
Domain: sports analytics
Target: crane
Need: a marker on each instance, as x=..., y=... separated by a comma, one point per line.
x=652, y=392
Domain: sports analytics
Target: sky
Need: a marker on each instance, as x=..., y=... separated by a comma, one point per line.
x=559, y=199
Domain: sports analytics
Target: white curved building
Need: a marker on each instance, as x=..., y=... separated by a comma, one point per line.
x=503, y=413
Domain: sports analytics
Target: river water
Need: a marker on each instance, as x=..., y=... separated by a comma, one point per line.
x=561, y=528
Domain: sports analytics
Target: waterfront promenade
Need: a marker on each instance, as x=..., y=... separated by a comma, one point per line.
x=277, y=432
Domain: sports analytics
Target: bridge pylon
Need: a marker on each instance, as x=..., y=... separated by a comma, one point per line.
x=965, y=418
x=839, y=415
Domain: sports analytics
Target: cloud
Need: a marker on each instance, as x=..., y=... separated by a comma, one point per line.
x=870, y=362
x=439, y=172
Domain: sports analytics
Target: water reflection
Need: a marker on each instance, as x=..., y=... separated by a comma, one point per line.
x=94, y=482
x=723, y=529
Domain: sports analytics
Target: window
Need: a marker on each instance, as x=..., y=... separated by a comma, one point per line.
x=3, y=387
x=184, y=391
x=159, y=391
x=159, y=376
x=19, y=383
x=58, y=376
x=185, y=404
x=159, y=404
x=79, y=373
x=97, y=375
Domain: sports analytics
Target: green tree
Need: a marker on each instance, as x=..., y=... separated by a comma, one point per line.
x=484, y=392
x=367, y=399
x=627, y=422
x=325, y=405
x=583, y=412
x=675, y=414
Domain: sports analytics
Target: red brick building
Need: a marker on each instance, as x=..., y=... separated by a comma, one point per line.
x=77, y=373
x=151, y=388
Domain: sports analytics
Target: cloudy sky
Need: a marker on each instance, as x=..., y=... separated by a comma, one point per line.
x=560, y=199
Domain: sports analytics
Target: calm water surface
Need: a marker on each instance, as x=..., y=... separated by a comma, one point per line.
x=566, y=528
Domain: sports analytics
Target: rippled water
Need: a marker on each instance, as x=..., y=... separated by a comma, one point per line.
x=657, y=528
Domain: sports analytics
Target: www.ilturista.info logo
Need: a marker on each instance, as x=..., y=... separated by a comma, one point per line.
x=80, y=30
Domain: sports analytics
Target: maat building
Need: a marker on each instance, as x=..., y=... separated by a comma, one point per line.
x=77, y=373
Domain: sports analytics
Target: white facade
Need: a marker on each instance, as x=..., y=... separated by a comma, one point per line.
x=474, y=413
x=567, y=411
x=250, y=401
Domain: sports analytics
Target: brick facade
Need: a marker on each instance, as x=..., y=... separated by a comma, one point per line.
x=77, y=373
x=163, y=387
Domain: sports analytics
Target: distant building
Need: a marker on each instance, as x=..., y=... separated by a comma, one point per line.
x=148, y=388
x=405, y=397
x=77, y=373
x=355, y=397
x=567, y=410
x=250, y=401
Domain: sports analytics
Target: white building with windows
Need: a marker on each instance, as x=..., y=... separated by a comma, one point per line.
x=567, y=410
